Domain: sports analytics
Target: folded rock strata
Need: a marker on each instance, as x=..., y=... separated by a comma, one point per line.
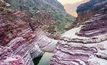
x=84, y=45
x=7, y=58
x=88, y=10
x=21, y=38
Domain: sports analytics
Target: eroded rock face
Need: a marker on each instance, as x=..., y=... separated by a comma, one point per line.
x=22, y=34
x=50, y=12
x=96, y=25
x=88, y=10
x=7, y=58
x=15, y=23
x=85, y=45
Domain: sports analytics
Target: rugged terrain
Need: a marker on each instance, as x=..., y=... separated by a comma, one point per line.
x=20, y=33
x=48, y=11
x=86, y=44
x=89, y=9
x=21, y=37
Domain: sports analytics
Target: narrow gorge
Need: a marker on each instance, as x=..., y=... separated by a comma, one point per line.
x=86, y=44
x=28, y=31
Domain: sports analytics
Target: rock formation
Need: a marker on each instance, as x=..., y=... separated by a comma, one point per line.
x=84, y=45
x=21, y=38
x=21, y=35
x=48, y=11
x=88, y=10
x=7, y=58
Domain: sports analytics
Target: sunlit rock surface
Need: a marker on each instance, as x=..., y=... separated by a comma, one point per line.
x=84, y=45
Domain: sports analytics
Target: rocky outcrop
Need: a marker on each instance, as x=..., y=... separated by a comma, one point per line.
x=21, y=38
x=3, y=5
x=89, y=9
x=7, y=58
x=15, y=23
x=84, y=45
x=48, y=11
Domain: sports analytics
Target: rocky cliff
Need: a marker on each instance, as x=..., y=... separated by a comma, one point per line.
x=89, y=9
x=86, y=44
x=46, y=8
x=21, y=38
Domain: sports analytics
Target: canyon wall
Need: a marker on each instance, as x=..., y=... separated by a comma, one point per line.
x=48, y=11
x=86, y=44
x=88, y=10
x=21, y=38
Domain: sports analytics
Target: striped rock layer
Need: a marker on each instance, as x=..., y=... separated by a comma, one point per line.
x=84, y=45
x=21, y=39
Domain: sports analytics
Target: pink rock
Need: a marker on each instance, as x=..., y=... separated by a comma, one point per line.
x=84, y=45
x=8, y=58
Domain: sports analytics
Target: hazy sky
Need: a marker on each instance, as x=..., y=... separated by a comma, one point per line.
x=69, y=1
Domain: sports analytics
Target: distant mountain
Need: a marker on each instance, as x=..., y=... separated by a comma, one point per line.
x=71, y=8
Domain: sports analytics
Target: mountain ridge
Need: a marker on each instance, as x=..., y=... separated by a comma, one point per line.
x=55, y=9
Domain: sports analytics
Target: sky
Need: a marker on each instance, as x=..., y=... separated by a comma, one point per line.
x=69, y=1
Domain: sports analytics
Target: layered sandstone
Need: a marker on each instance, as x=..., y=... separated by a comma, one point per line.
x=84, y=45
x=88, y=10
x=7, y=58
x=21, y=38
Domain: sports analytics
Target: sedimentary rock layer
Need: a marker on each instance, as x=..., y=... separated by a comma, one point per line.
x=88, y=10
x=84, y=45
x=20, y=39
